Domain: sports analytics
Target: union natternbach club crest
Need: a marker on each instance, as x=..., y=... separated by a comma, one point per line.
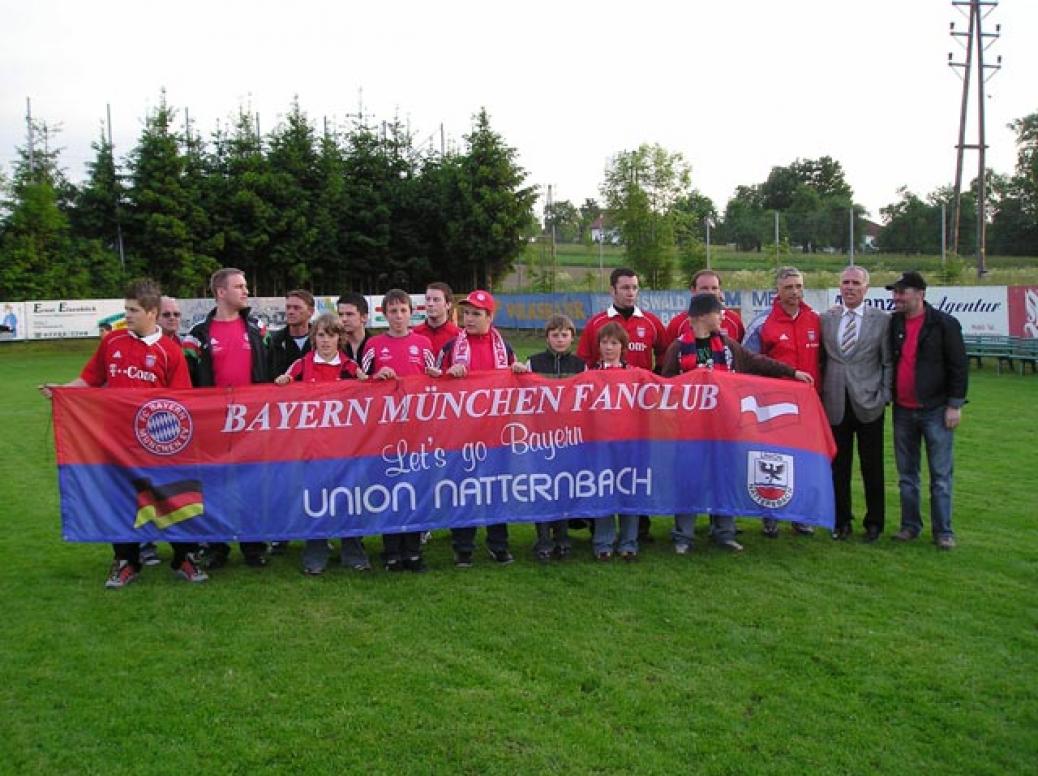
x=769, y=478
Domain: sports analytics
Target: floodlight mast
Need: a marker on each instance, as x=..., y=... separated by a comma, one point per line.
x=975, y=36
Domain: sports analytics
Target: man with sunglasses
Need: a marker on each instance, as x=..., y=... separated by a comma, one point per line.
x=169, y=318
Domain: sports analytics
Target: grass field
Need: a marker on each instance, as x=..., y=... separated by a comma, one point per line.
x=799, y=656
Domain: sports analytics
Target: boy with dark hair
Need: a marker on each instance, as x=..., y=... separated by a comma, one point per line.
x=353, y=312
x=439, y=327
x=138, y=357
x=555, y=361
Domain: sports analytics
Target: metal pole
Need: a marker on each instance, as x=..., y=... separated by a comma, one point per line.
x=957, y=211
x=852, y=235
x=708, y=243
x=28, y=124
x=944, y=232
x=601, y=242
x=982, y=269
x=118, y=219
x=776, y=236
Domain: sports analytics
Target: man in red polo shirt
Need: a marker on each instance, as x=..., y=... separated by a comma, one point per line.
x=791, y=333
x=706, y=281
x=646, y=331
x=438, y=328
x=143, y=358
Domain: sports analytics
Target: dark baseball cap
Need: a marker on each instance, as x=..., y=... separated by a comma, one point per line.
x=910, y=279
x=704, y=304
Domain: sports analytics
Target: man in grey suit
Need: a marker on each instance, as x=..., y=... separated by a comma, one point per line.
x=856, y=374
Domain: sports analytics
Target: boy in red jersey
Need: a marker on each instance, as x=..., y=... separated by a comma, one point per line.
x=397, y=353
x=138, y=357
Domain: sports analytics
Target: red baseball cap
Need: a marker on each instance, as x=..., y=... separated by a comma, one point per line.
x=481, y=300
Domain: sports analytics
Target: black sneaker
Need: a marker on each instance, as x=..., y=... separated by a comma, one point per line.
x=150, y=555
x=394, y=564
x=501, y=557
x=415, y=565
x=563, y=553
x=463, y=560
x=254, y=561
x=543, y=556
x=211, y=559
x=278, y=548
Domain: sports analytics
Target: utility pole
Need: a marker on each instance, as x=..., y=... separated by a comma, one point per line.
x=852, y=234
x=554, y=253
x=28, y=124
x=976, y=38
x=118, y=217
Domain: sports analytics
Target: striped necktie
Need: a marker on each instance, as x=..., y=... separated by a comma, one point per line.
x=850, y=333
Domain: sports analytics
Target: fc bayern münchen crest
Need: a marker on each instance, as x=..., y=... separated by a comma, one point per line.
x=163, y=427
x=769, y=478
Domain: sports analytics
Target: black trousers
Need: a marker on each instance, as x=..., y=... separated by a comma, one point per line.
x=870, y=459
x=464, y=539
x=131, y=551
x=400, y=546
x=248, y=549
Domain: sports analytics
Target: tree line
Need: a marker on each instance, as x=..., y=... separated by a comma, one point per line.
x=362, y=209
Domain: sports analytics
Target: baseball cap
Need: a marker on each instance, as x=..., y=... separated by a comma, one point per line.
x=704, y=304
x=910, y=279
x=481, y=300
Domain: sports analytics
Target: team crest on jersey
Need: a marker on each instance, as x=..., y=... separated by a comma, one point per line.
x=163, y=427
x=811, y=335
x=641, y=332
x=413, y=350
x=149, y=360
x=769, y=478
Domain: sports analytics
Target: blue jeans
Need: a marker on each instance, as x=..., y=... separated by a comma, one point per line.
x=909, y=427
x=605, y=534
x=722, y=529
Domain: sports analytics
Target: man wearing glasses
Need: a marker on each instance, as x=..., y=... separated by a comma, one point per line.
x=169, y=318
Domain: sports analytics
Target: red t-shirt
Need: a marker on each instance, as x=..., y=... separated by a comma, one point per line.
x=407, y=355
x=438, y=336
x=311, y=368
x=906, y=396
x=231, y=352
x=124, y=360
x=731, y=325
x=645, y=330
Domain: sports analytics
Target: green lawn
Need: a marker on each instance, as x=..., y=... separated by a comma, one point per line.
x=799, y=656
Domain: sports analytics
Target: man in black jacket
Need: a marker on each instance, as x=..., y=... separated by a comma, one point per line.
x=229, y=348
x=293, y=341
x=929, y=389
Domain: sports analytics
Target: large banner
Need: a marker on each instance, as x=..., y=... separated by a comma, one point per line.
x=348, y=459
x=979, y=309
x=69, y=318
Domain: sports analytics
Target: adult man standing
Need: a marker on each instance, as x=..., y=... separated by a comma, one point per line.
x=478, y=348
x=229, y=348
x=791, y=333
x=931, y=373
x=856, y=369
x=647, y=335
x=293, y=341
x=353, y=312
x=438, y=328
x=646, y=331
x=706, y=281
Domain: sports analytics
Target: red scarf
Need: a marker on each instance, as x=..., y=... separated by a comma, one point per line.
x=720, y=355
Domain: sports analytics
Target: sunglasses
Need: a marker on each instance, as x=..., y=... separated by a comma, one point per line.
x=171, y=315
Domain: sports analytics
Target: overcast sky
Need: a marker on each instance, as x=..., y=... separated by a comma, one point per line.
x=737, y=86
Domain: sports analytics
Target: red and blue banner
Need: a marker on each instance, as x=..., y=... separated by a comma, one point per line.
x=355, y=458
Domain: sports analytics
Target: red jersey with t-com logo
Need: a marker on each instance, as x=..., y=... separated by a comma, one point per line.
x=126, y=360
x=645, y=330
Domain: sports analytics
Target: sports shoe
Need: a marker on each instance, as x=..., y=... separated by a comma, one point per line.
x=562, y=553
x=604, y=557
x=803, y=529
x=359, y=565
x=426, y=537
x=842, y=533
x=415, y=565
x=313, y=571
x=629, y=557
x=256, y=561
x=770, y=531
x=149, y=555
x=731, y=545
x=188, y=570
x=682, y=549
x=543, y=556
x=212, y=559
x=463, y=560
x=278, y=548
x=501, y=557
x=121, y=574
x=946, y=542
x=394, y=564
x=904, y=535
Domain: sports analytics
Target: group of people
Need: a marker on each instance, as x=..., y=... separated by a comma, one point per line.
x=858, y=357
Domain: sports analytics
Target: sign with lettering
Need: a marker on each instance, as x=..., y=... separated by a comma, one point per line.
x=353, y=458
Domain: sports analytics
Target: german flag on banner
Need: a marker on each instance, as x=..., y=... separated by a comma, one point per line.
x=166, y=505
